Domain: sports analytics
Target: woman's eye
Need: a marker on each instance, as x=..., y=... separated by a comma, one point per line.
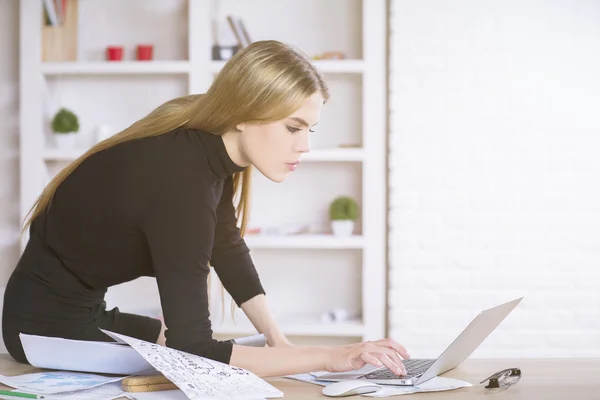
x=293, y=130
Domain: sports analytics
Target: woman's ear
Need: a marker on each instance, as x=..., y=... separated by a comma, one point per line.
x=240, y=127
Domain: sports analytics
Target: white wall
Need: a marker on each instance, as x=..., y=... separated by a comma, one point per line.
x=9, y=202
x=494, y=187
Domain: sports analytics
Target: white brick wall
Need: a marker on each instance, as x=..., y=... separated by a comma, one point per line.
x=495, y=174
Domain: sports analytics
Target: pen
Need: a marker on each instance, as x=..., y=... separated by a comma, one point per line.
x=19, y=394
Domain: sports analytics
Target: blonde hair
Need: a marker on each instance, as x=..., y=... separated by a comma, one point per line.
x=264, y=82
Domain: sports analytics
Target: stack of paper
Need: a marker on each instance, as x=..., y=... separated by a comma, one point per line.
x=83, y=356
x=197, y=377
x=436, y=384
x=66, y=385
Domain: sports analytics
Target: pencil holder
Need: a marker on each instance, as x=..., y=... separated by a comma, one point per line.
x=223, y=53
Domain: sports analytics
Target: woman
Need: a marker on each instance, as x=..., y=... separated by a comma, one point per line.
x=157, y=200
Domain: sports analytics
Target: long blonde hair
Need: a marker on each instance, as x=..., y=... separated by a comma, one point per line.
x=266, y=81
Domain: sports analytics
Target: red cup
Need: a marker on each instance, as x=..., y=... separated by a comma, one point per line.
x=114, y=53
x=144, y=52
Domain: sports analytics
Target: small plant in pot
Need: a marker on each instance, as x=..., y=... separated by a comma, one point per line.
x=65, y=125
x=343, y=211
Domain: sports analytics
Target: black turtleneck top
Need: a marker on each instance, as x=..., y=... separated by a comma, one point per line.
x=162, y=207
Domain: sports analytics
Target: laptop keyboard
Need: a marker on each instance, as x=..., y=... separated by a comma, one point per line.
x=413, y=368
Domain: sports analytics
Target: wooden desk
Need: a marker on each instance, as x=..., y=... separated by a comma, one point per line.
x=542, y=379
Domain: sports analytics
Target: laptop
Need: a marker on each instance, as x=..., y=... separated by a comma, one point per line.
x=422, y=370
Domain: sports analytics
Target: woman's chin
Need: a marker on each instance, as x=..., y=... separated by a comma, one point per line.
x=276, y=176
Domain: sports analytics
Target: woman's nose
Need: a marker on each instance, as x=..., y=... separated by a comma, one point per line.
x=303, y=143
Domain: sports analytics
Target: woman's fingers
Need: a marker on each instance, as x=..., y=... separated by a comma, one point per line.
x=398, y=366
x=386, y=356
x=388, y=362
x=397, y=360
x=394, y=345
x=392, y=355
x=385, y=352
x=370, y=359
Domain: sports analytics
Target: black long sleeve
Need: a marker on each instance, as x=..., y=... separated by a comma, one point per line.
x=230, y=256
x=180, y=229
x=159, y=206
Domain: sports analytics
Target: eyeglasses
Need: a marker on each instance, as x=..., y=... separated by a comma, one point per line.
x=503, y=379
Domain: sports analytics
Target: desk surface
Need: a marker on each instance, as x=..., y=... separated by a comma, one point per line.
x=542, y=379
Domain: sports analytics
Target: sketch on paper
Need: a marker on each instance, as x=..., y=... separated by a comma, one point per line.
x=200, y=377
x=65, y=379
x=53, y=382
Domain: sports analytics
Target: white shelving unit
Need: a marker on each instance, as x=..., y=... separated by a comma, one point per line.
x=305, y=274
x=304, y=242
x=120, y=68
x=351, y=329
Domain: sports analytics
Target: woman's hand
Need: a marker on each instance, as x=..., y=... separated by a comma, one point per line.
x=377, y=353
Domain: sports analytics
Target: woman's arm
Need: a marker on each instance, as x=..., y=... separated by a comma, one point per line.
x=230, y=255
x=280, y=361
x=179, y=226
x=259, y=314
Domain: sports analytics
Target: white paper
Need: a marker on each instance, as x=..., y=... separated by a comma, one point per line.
x=158, y=395
x=199, y=377
x=436, y=384
x=53, y=382
x=84, y=356
x=108, y=391
x=308, y=378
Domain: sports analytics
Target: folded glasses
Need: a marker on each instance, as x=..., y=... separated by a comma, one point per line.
x=503, y=379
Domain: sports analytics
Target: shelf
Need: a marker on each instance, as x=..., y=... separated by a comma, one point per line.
x=337, y=329
x=328, y=155
x=335, y=154
x=325, y=66
x=170, y=67
x=303, y=242
x=115, y=67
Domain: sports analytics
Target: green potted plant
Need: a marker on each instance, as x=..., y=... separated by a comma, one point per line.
x=65, y=125
x=343, y=212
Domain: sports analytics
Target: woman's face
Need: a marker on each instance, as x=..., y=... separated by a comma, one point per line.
x=275, y=148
